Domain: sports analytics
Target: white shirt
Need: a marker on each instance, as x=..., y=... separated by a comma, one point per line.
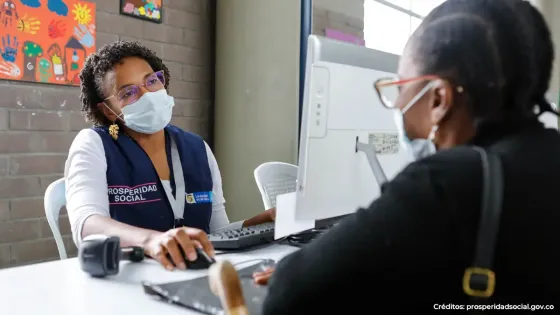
x=87, y=190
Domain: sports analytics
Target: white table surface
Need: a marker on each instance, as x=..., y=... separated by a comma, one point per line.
x=61, y=288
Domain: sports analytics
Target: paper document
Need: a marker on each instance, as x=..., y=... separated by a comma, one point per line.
x=286, y=223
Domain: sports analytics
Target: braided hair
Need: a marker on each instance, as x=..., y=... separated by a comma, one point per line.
x=99, y=64
x=484, y=46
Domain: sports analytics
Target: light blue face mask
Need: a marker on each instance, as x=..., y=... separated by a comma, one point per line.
x=416, y=148
x=150, y=114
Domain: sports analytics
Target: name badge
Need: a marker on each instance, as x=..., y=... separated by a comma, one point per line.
x=199, y=197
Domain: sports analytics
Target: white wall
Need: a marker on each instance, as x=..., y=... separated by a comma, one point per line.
x=350, y=8
x=257, y=78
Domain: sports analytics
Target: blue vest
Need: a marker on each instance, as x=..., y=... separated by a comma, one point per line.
x=136, y=194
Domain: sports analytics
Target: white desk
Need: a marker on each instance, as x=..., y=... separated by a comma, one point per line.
x=61, y=288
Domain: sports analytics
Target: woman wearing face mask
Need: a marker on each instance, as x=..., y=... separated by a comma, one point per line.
x=465, y=79
x=134, y=175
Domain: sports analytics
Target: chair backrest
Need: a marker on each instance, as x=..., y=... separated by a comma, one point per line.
x=275, y=178
x=55, y=199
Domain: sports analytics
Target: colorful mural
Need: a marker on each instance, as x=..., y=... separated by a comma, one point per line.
x=45, y=41
x=149, y=10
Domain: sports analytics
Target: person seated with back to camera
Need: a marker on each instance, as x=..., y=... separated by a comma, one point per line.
x=473, y=74
x=136, y=176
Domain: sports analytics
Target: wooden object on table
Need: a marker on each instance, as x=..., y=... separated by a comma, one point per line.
x=225, y=284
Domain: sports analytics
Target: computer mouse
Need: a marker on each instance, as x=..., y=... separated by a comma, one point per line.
x=265, y=265
x=203, y=261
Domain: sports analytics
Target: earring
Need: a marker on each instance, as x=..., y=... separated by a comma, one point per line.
x=114, y=131
x=432, y=134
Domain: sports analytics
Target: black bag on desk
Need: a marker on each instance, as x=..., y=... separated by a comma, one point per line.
x=479, y=280
x=195, y=294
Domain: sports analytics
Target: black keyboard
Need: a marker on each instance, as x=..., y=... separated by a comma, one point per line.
x=244, y=237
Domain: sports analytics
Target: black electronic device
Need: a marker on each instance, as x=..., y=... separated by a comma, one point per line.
x=99, y=255
x=203, y=261
x=242, y=238
x=196, y=294
x=261, y=234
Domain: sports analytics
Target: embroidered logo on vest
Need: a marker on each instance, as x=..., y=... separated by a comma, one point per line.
x=199, y=197
x=190, y=199
x=131, y=195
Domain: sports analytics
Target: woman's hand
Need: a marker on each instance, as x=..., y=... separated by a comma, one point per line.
x=262, y=277
x=158, y=246
x=271, y=214
x=263, y=217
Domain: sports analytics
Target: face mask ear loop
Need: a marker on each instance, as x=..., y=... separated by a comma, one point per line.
x=418, y=96
x=112, y=111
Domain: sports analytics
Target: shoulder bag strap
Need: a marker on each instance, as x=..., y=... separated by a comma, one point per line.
x=479, y=280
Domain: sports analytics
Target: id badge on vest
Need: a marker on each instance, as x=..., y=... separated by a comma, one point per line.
x=199, y=197
x=178, y=202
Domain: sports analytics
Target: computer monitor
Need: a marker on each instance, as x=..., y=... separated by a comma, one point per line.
x=341, y=118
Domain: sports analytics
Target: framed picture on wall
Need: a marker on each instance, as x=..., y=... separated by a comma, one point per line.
x=46, y=42
x=148, y=10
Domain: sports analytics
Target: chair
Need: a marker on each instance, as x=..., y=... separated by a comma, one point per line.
x=275, y=178
x=55, y=199
x=225, y=284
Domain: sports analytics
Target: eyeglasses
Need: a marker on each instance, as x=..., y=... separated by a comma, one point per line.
x=131, y=93
x=388, y=89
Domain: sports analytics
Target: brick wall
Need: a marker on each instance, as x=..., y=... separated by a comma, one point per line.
x=346, y=16
x=38, y=122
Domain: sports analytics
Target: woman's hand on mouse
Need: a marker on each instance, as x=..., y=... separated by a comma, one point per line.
x=159, y=245
x=262, y=277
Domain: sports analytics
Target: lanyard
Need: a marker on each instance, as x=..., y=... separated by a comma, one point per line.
x=178, y=201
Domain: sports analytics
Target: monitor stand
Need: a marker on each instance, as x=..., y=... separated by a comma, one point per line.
x=322, y=226
x=369, y=151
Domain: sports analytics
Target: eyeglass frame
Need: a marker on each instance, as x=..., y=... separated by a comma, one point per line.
x=377, y=85
x=144, y=85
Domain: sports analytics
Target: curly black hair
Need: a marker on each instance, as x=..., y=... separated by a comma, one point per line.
x=96, y=67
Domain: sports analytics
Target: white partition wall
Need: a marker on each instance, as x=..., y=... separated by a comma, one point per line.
x=256, y=107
